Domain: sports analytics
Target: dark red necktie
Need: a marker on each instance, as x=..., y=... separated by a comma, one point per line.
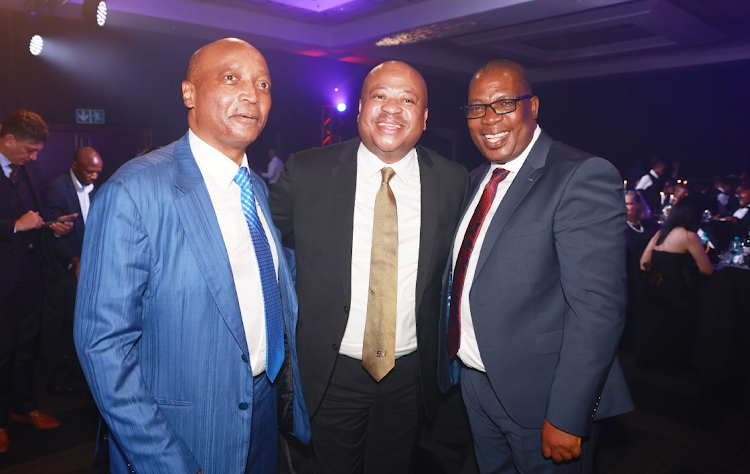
x=14, y=169
x=462, y=262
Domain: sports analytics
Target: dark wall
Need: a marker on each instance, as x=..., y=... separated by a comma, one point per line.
x=698, y=117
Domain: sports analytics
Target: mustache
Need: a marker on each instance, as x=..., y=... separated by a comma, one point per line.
x=390, y=117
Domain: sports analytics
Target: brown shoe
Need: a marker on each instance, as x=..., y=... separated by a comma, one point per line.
x=3, y=440
x=37, y=419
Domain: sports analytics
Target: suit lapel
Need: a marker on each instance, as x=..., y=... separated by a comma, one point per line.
x=430, y=197
x=202, y=231
x=343, y=185
x=527, y=177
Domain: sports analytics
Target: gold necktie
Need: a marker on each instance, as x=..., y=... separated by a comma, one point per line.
x=378, y=351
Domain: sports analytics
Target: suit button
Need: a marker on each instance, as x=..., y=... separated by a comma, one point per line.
x=335, y=347
x=243, y=406
x=346, y=309
x=244, y=358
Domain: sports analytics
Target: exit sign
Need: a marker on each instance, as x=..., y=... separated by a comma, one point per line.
x=90, y=116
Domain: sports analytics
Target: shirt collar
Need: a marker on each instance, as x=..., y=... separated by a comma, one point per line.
x=214, y=165
x=514, y=166
x=369, y=164
x=77, y=184
x=5, y=163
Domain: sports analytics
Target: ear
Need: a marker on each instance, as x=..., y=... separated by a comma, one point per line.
x=359, y=110
x=188, y=90
x=424, y=123
x=534, y=102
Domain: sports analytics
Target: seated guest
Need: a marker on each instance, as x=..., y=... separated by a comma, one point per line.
x=670, y=259
x=640, y=226
x=638, y=234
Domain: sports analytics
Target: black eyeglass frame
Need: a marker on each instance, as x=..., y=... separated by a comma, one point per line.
x=515, y=100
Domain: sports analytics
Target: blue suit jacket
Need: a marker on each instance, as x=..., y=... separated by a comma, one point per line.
x=158, y=326
x=548, y=295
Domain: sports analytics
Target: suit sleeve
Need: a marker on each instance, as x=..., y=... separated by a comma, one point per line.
x=112, y=291
x=590, y=243
x=282, y=199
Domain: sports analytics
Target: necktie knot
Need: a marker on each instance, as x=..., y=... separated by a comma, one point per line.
x=242, y=178
x=387, y=173
x=498, y=175
x=13, y=174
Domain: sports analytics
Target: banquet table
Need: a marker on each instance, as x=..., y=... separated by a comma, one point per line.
x=722, y=349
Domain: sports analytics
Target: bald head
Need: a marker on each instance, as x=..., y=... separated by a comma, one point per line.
x=399, y=69
x=228, y=95
x=87, y=164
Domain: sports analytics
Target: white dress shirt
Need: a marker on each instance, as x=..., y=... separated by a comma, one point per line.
x=740, y=213
x=469, y=349
x=83, y=195
x=218, y=172
x=406, y=187
x=5, y=163
x=275, y=167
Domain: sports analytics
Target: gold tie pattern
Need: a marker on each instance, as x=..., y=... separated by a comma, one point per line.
x=378, y=351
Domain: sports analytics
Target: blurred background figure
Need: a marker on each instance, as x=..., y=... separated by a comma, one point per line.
x=275, y=167
x=673, y=261
x=69, y=193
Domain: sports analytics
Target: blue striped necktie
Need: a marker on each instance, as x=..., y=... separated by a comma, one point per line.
x=268, y=281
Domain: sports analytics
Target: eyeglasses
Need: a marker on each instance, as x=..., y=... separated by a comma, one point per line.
x=500, y=107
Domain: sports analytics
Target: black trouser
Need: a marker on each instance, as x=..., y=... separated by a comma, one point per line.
x=364, y=426
x=20, y=317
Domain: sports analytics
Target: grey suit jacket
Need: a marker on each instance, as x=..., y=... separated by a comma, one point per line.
x=314, y=200
x=548, y=297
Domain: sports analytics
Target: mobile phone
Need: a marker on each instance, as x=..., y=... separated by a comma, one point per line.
x=61, y=219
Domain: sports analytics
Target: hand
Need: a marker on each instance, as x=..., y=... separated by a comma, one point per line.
x=76, y=262
x=62, y=228
x=29, y=221
x=559, y=445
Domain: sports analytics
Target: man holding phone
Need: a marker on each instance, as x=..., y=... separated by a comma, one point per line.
x=67, y=197
x=22, y=137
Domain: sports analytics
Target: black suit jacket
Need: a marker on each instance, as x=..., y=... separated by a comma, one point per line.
x=548, y=296
x=12, y=245
x=742, y=226
x=61, y=199
x=314, y=200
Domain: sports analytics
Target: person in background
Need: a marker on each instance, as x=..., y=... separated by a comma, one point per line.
x=69, y=193
x=275, y=167
x=651, y=184
x=537, y=288
x=22, y=212
x=741, y=217
x=186, y=314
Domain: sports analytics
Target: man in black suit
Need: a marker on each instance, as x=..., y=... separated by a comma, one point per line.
x=22, y=137
x=366, y=400
x=69, y=193
x=741, y=216
x=537, y=288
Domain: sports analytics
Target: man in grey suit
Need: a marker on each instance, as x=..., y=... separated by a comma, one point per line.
x=365, y=400
x=186, y=313
x=537, y=288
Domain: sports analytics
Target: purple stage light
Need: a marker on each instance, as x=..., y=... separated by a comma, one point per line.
x=341, y=106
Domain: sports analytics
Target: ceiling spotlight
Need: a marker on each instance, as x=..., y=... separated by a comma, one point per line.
x=341, y=106
x=95, y=12
x=35, y=45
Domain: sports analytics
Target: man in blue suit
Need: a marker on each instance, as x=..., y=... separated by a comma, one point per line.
x=537, y=288
x=183, y=287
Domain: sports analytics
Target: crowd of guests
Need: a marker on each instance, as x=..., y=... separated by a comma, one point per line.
x=676, y=234
x=202, y=337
